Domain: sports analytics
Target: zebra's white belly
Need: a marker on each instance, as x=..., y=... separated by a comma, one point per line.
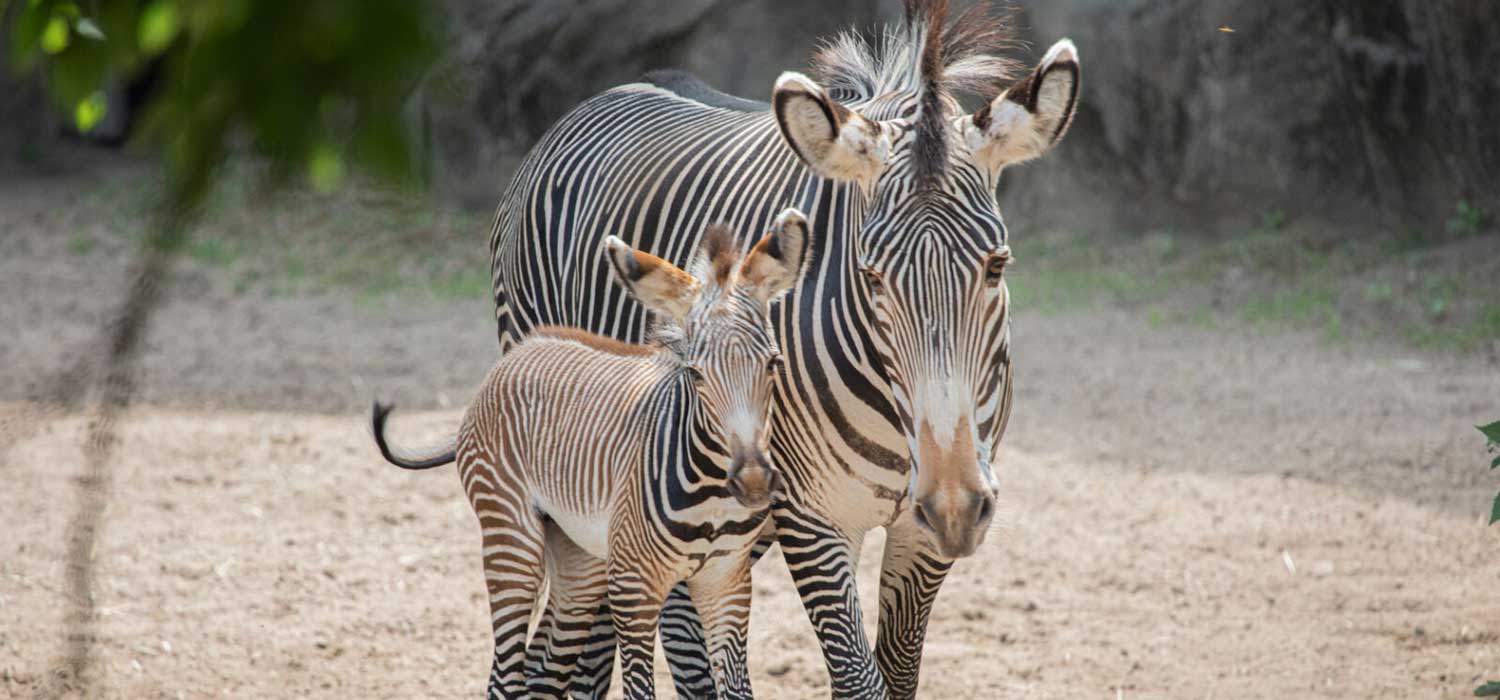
x=590, y=531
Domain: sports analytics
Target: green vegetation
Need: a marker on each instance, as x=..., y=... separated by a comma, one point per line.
x=1492, y=444
x=332, y=90
x=360, y=239
x=1468, y=220
x=1435, y=293
x=1491, y=689
x=80, y=244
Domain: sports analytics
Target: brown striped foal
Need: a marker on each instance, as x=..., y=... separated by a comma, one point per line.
x=619, y=470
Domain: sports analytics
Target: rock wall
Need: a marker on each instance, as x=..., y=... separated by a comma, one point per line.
x=1365, y=113
x=517, y=65
x=1368, y=114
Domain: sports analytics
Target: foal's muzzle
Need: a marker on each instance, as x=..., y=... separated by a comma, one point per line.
x=752, y=481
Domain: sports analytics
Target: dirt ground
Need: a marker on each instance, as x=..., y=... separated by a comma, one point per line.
x=1188, y=513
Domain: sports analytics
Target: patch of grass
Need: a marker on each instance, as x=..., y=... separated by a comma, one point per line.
x=362, y=240
x=465, y=284
x=1379, y=291
x=211, y=251
x=1462, y=336
x=1468, y=219
x=80, y=244
x=1273, y=220
x=1294, y=304
x=1275, y=275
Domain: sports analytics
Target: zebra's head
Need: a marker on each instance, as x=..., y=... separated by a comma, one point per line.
x=717, y=321
x=925, y=265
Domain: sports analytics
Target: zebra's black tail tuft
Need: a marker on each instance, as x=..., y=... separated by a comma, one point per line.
x=436, y=458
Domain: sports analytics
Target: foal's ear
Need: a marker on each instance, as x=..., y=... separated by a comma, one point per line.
x=654, y=282
x=835, y=141
x=780, y=258
x=1028, y=119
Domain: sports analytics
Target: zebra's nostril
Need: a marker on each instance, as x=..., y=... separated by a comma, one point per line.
x=919, y=514
x=986, y=509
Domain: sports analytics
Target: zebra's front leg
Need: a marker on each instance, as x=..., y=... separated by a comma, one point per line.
x=721, y=593
x=682, y=637
x=911, y=572
x=686, y=651
x=635, y=602
x=822, y=559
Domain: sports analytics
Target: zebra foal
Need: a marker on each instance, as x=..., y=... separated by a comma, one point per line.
x=620, y=470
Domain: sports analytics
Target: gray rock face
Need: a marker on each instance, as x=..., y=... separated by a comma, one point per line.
x=1370, y=114
x=1381, y=113
x=518, y=65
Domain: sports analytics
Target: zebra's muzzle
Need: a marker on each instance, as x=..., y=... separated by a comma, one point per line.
x=752, y=482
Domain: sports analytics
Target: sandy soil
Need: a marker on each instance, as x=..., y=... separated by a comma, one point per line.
x=1189, y=513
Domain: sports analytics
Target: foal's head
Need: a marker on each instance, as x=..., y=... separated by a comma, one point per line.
x=716, y=319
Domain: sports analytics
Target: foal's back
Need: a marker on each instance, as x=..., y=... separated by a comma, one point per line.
x=562, y=418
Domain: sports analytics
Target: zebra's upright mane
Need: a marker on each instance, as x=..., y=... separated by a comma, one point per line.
x=929, y=58
x=963, y=55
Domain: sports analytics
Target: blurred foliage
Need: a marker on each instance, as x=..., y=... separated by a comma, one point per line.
x=1468, y=220
x=1492, y=443
x=308, y=84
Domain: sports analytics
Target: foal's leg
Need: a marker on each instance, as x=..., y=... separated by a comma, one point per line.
x=513, y=539
x=721, y=593
x=578, y=583
x=635, y=602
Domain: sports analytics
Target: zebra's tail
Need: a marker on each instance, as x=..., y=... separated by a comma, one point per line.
x=435, y=456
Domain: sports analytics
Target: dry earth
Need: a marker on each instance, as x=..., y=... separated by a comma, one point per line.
x=1190, y=513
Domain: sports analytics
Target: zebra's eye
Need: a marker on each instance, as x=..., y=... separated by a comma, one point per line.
x=994, y=268
x=874, y=279
x=694, y=375
x=775, y=364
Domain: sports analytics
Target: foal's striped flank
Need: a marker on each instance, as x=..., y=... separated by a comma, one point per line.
x=620, y=470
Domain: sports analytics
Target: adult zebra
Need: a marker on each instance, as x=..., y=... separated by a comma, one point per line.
x=897, y=384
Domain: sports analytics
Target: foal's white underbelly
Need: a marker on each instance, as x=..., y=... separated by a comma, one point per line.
x=590, y=531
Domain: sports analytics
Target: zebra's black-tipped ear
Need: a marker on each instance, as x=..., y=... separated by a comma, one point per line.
x=659, y=285
x=779, y=259
x=1028, y=119
x=835, y=141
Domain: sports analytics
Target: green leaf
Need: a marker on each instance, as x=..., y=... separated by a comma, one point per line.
x=1491, y=431
x=159, y=26
x=56, y=36
x=1495, y=510
x=87, y=28
x=89, y=112
x=325, y=168
x=1488, y=690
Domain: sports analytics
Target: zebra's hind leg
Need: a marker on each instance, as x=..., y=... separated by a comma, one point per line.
x=721, y=593
x=512, y=535
x=597, y=662
x=911, y=572
x=577, y=590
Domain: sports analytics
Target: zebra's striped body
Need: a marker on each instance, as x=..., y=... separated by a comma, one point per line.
x=620, y=470
x=897, y=386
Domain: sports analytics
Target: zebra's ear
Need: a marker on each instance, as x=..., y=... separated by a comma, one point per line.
x=835, y=141
x=780, y=258
x=654, y=282
x=1030, y=117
